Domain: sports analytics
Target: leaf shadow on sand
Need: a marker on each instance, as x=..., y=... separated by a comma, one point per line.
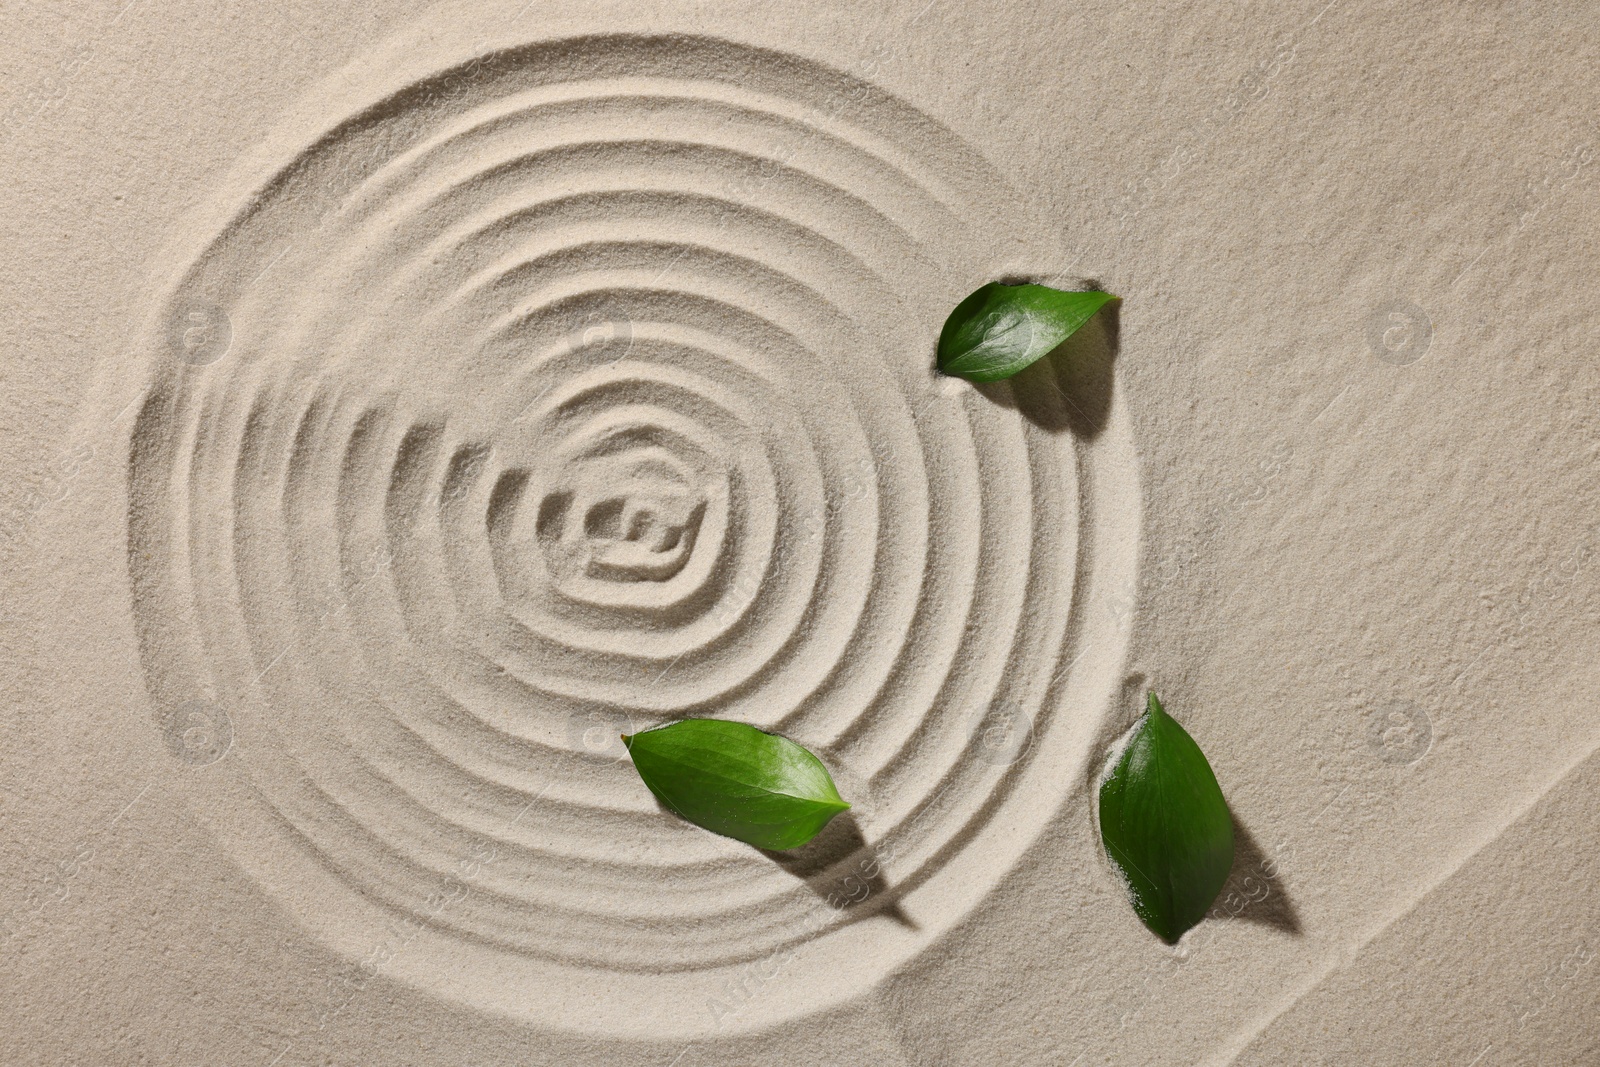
x=1258, y=893
x=1069, y=389
x=842, y=869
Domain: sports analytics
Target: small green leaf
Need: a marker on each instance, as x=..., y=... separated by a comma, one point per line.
x=737, y=781
x=1000, y=329
x=1166, y=826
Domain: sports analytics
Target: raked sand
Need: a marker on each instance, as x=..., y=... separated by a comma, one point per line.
x=404, y=405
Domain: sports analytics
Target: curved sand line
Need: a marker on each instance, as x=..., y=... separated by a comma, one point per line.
x=577, y=402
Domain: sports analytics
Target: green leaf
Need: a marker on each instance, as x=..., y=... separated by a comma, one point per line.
x=1000, y=329
x=1166, y=826
x=737, y=781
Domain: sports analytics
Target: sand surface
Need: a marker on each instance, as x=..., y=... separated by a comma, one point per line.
x=402, y=405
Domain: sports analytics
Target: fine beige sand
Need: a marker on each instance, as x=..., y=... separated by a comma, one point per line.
x=403, y=404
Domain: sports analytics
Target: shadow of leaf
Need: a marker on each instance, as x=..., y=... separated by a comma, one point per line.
x=1255, y=891
x=842, y=869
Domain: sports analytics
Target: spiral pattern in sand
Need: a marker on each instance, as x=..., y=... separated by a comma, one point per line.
x=583, y=387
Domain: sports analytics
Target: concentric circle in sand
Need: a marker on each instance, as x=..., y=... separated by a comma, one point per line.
x=576, y=389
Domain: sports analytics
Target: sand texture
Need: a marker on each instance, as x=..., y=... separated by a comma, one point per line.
x=405, y=404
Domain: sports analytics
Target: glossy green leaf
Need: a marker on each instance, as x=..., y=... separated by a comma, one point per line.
x=1166, y=826
x=737, y=781
x=1000, y=329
